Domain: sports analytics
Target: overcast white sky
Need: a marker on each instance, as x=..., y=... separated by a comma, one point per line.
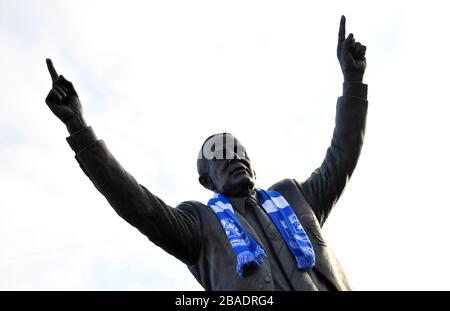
x=157, y=77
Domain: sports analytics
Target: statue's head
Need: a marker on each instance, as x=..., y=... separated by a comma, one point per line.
x=224, y=166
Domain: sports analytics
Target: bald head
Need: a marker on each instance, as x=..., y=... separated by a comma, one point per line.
x=219, y=146
x=224, y=166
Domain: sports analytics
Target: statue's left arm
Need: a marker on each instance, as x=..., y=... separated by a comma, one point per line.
x=326, y=184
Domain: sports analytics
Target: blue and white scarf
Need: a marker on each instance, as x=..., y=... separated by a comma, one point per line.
x=246, y=249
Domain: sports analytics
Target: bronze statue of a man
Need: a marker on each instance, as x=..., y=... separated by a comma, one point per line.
x=246, y=238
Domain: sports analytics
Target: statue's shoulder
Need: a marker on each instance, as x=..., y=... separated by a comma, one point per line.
x=201, y=212
x=191, y=204
x=285, y=185
x=291, y=190
x=194, y=206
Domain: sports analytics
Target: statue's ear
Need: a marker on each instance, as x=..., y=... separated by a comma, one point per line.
x=206, y=182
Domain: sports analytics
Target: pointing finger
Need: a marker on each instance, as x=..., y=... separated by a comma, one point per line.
x=341, y=36
x=51, y=69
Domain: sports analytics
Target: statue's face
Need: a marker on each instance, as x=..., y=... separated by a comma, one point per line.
x=229, y=167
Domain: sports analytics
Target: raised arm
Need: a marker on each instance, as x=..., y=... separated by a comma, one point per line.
x=325, y=185
x=176, y=230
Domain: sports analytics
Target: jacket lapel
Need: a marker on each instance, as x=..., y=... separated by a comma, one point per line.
x=306, y=217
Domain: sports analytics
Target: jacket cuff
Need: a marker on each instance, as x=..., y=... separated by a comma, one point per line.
x=82, y=139
x=356, y=89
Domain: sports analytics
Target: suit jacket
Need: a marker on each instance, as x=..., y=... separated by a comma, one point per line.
x=192, y=233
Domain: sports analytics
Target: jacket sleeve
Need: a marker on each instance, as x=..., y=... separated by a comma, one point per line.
x=176, y=230
x=326, y=184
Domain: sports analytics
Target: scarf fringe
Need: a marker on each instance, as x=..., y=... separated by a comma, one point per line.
x=305, y=262
x=247, y=257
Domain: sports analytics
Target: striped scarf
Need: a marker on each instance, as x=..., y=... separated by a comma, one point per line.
x=246, y=249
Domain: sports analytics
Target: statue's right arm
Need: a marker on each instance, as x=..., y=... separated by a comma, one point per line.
x=176, y=230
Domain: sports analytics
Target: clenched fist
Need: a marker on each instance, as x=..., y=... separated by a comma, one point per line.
x=63, y=101
x=351, y=55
